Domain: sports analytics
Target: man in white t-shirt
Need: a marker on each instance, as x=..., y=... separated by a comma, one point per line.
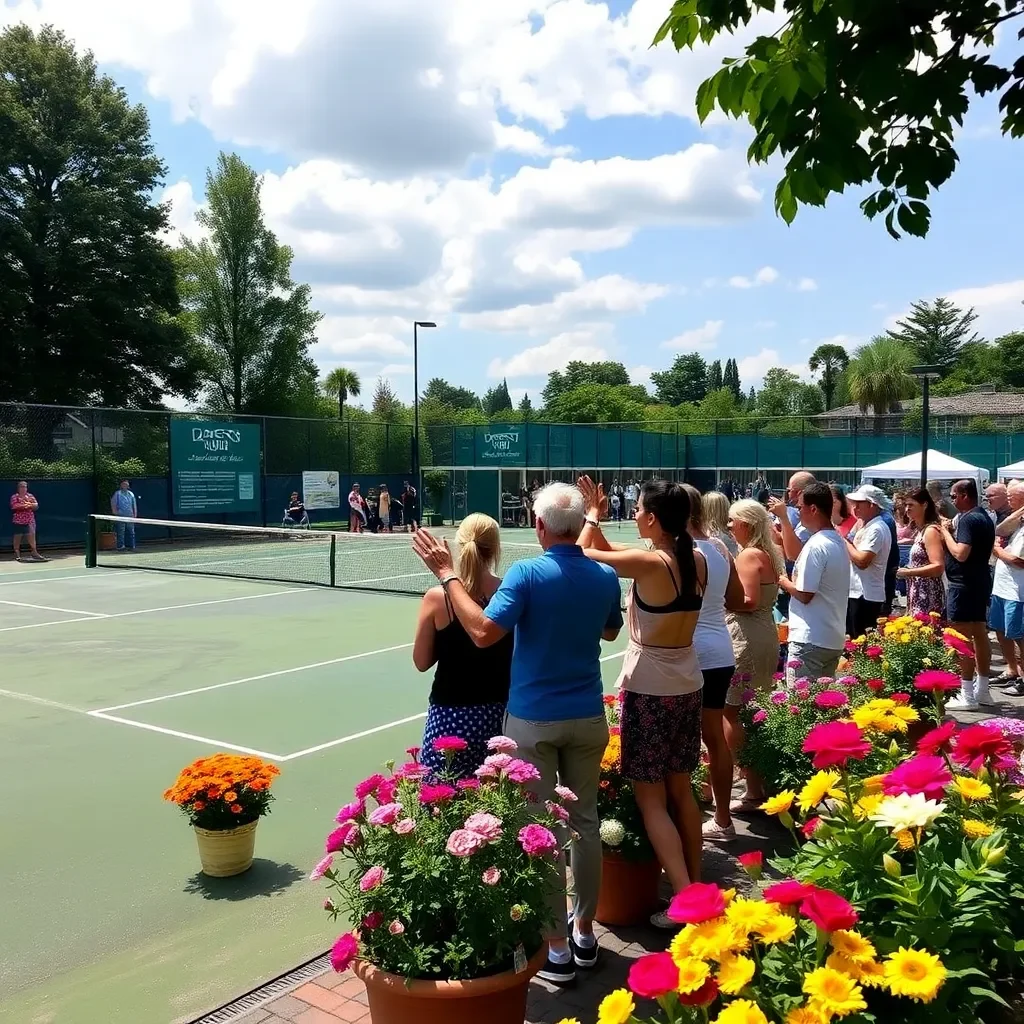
x=1006, y=612
x=868, y=544
x=819, y=590
x=632, y=493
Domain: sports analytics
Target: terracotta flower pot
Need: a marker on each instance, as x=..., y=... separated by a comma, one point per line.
x=227, y=852
x=497, y=999
x=107, y=541
x=629, y=890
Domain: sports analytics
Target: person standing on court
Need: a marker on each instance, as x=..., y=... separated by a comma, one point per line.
x=561, y=605
x=470, y=689
x=969, y=587
x=868, y=544
x=819, y=588
x=23, y=517
x=124, y=505
x=357, y=511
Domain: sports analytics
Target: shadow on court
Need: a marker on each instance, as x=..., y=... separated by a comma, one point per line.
x=264, y=878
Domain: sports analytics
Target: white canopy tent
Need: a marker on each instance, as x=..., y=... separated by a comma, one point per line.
x=939, y=467
x=1015, y=471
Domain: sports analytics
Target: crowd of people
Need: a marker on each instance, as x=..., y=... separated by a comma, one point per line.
x=379, y=511
x=522, y=655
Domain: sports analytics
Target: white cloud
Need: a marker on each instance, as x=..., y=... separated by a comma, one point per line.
x=766, y=275
x=538, y=360
x=753, y=368
x=699, y=339
x=182, y=212
x=517, y=139
x=641, y=375
x=807, y=284
x=340, y=337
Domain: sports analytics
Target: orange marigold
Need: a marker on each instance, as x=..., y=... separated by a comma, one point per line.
x=231, y=797
x=236, y=808
x=199, y=805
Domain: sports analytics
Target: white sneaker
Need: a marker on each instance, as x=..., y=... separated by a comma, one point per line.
x=982, y=695
x=715, y=833
x=965, y=700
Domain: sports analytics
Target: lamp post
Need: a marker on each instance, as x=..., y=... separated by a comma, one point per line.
x=925, y=374
x=417, y=324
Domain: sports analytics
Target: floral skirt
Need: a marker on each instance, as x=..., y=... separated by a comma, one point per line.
x=476, y=724
x=660, y=735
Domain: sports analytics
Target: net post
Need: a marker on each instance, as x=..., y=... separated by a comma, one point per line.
x=90, y=542
x=334, y=548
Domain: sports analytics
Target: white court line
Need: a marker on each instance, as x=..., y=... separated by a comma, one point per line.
x=386, y=726
x=251, y=679
x=187, y=736
x=51, y=608
x=163, y=608
x=32, y=699
x=88, y=574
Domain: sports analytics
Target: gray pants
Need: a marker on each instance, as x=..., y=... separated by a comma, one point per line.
x=816, y=662
x=569, y=753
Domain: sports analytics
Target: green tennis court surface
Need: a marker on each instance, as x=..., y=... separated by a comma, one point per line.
x=114, y=678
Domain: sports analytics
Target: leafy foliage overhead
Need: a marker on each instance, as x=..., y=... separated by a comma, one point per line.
x=854, y=92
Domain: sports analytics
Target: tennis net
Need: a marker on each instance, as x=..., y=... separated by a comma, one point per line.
x=361, y=561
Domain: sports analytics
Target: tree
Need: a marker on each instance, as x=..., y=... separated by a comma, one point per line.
x=578, y=373
x=597, y=403
x=1011, y=354
x=731, y=379
x=254, y=324
x=783, y=393
x=980, y=363
x=497, y=399
x=936, y=332
x=752, y=398
x=878, y=375
x=715, y=381
x=686, y=380
x=856, y=93
x=342, y=382
x=386, y=407
x=88, y=300
x=831, y=362
x=441, y=391
x=525, y=409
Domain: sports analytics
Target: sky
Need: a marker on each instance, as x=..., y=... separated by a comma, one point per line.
x=531, y=175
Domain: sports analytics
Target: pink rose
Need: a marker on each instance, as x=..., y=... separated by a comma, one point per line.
x=463, y=843
x=405, y=826
x=322, y=868
x=537, y=841
x=487, y=826
x=557, y=810
x=492, y=876
x=372, y=879
x=344, y=951
x=396, y=928
x=373, y=920
x=522, y=771
x=564, y=793
x=502, y=744
x=386, y=815
x=344, y=835
x=350, y=811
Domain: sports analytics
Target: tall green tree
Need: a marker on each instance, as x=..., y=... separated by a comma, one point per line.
x=441, y=391
x=342, y=383
x=88, y=300
x=878, y=375
x=858, y=93
x=831, y=362
x=980, y=363
x=386, y=407
x=255, y=325
x=597, y=403
x=497, y=399
x=731, y=379
x=783, y=393
x=686, y=380
x=577, y=373
x=936, y=332
x=715, y=381
x=525, y=409
x=1010, y=348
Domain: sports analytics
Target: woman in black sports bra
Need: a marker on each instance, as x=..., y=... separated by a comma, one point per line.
x=661, y=680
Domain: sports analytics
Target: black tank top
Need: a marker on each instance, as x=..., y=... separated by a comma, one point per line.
x=467, y=675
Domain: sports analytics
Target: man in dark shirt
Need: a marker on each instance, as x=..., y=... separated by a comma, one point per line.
x=970, y=586
x=892, y=564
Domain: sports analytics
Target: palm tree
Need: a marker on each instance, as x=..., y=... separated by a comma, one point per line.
x=878, y=375
x=831, y=360
x=343, y=383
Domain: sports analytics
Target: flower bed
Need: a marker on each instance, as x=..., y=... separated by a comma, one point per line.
x=622, y=825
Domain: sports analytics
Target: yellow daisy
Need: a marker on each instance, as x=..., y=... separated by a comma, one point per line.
x=734, y=973
x=975, y=829
x=836, y=993
x=905, y=712
x=872, y=974
x=779, y=804
x=816, y=789
x=748, y=915
x=709, y=940
x=779, y=928
x=741, y=1011
x=692, y=974
x=807, y=1015
x=973, y=789
x=853, y=945
x=867, y=805
x=914, y=973
x=616, y=1008
x=844, y=965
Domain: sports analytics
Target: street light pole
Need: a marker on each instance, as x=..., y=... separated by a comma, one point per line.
x=925, y=374
x=416, y=398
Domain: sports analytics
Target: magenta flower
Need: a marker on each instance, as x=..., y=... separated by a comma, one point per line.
x=412, y=770
x=467, y=784
x=760, y=716
x=405, y=826
x=413, y=752
x=778, y=676
x=936, y=680
x=386, y=815
x=924, y=773
x=436, y=794
x=463, y=843
x=368, y=786
x=487, y=826
x=537, y=841
x=322, y=868
x=557, y=810
x=350, y=811
x=794, y=663
x=344, y=835
x=747, y=696
x=373, y=920
x=794, y=709
x=825, y=680
x=874, y=651
x=344, y=951
x=522, y=771
x=492, y=876
x=396, y=928
x=831, y=699
x=565, y=793
x=372, y=879
x=450, y=744
x=385, y=792
x=779, y=697
x=486, y=771
x=502, y=745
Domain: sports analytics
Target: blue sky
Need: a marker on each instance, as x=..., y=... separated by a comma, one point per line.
x=532, y=176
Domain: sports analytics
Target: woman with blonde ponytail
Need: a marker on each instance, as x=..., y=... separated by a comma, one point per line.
x=470, y=688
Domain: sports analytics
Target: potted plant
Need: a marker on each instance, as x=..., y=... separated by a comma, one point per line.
x=224, y=796
x=630, y=871
x=446, y=884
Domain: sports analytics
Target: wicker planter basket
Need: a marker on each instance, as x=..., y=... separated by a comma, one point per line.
x=227, y=852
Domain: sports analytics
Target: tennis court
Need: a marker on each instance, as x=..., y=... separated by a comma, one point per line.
x=116, y=677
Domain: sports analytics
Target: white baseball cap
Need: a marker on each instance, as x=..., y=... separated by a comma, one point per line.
x=868, y=492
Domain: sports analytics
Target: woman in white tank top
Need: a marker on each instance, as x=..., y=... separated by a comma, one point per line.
x=717, y=662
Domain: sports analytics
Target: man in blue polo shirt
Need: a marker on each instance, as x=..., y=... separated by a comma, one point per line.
x=561, y=605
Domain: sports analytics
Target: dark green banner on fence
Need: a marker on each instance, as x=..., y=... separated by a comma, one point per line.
x=497, y=445
x=215, y=467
